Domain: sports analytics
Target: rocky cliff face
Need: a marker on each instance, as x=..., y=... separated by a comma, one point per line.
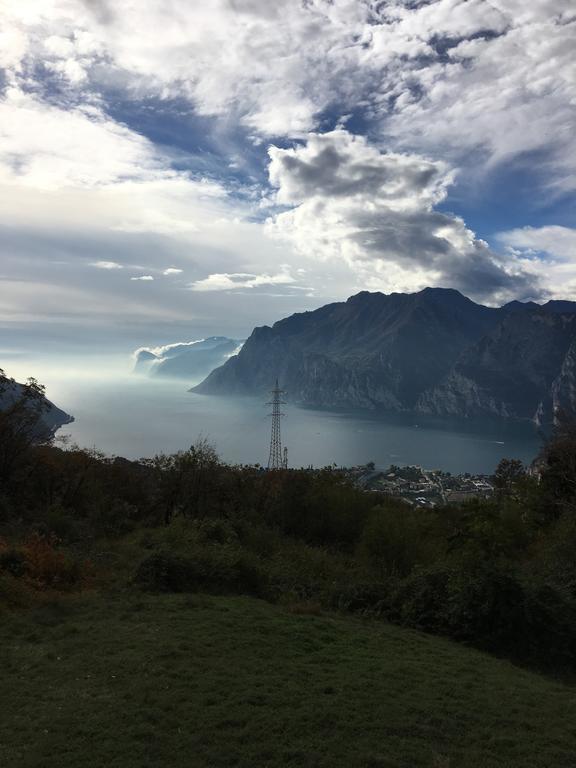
x=510, y=372
x=564, y=386
x=434, y=351
x=372, y=351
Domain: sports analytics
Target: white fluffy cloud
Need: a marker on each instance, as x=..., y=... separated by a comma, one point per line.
x=376, y=211
x=559, y=242
x=451, y=75
x=511, y=94
x=550, y=250
x=106, y=265
x=241, y=281
x=47, y=147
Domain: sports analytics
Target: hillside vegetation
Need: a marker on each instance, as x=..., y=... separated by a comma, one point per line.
x=177, y=606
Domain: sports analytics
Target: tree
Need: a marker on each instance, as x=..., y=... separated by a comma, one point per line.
x=558, y=474
x=508, y=473
x=186, y=479
x=22, y=408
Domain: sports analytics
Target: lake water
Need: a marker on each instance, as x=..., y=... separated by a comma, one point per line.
x=134, y=417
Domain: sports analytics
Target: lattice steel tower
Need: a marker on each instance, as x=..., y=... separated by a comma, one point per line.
x=276, y=457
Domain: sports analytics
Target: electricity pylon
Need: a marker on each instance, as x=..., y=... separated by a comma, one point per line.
x=276, y=459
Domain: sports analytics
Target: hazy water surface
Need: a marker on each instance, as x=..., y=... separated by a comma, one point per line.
x=133, y=417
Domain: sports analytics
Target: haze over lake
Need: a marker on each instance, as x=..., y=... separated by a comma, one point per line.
x=133, y=416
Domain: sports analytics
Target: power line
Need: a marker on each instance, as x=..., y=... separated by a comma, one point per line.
x=276, y=459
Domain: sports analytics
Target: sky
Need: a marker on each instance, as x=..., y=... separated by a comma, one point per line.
x=171, y=170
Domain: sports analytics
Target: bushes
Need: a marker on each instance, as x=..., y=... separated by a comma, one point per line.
x=14, y=592
x=217, y=570
x=554, y=559
x=39, y=563
x=13, y=562
x=396, y=538
x=402, y=571
x=500, y=574
x=490, y=608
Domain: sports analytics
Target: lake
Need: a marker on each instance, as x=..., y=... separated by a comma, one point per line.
x=133, y=416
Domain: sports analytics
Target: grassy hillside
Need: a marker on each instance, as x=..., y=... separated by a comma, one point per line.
x=191, y=681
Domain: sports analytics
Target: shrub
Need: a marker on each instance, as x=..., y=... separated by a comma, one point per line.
x=114, y=518
x=14, y=593
x=491, y=608
x=304, y=608
x=214, y=569
x=166, y=573
x=216, y=531
x=554, y=560
x=367, y=598
x=13, y=562
x=396, y=538
x=63, y=524
x=38, y=561
x=45, y=565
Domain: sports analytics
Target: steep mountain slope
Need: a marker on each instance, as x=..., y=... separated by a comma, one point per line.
x=434, y=351
x=374, y=350
x=564, y=386
x=513, y=371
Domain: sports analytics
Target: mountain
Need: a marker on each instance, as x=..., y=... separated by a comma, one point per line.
x=187, y=360
x=434, y=351
x=52, y=417
x=523, y=368
x=374, y=350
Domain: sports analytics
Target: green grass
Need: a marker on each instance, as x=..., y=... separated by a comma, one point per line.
x=184, y=681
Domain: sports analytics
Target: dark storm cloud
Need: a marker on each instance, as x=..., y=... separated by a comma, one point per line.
x=376, y=210
x=338, y=173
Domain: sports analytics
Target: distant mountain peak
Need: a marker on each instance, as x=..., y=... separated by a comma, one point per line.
x=188, y=359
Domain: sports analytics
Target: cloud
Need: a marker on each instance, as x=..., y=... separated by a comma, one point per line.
x=239, y=281
x=443, y=75
x=376, y=211
x=163, y=349
x=550, y=250
x=342, y=166
x=506, y=92
x=106, y=265
x=97, y=152
x=146, y=278
x=172, y=271
x=559, y=242
x=439, y=86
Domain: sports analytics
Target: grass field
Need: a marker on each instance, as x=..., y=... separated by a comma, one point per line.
x=183, y=681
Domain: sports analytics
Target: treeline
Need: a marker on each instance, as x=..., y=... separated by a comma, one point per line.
x=498, y=574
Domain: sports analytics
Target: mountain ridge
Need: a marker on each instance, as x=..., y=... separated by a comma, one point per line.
x=422, y=351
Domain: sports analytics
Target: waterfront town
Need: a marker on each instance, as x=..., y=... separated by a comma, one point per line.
x=422, y=487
